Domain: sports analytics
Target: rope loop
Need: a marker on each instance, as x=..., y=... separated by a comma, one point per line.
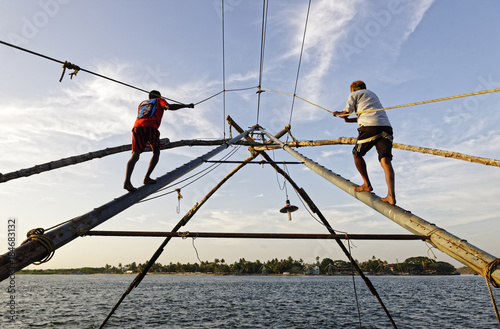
x=37, y=235
x=289, y=131
x=487, y=271
x=183, y=235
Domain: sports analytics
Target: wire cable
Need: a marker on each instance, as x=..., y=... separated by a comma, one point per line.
x=77, y=68
x=209, y=169
x=300, y=61
x=354, y=282
x=223, y=75
x=265, y=6
x=224, y=91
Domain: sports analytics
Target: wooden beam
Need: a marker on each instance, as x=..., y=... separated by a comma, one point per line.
x=299, y=236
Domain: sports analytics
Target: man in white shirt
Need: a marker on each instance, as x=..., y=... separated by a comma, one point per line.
x=374, y=130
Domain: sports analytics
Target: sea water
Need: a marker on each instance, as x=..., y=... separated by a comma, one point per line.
x=205, y=301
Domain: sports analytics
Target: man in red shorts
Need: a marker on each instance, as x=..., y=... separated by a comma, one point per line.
x=145, y=131
x=374, y=130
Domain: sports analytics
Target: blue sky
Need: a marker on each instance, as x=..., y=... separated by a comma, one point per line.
x=405, y=51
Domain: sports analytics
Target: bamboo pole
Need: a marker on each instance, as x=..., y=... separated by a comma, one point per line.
x=404, y=147
x=165, y=144
x=455, y=247
x=33, y=251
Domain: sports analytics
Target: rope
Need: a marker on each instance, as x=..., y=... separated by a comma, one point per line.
x=354, y=281
x=224, y=91
x=70, y=66
x=195, y=249
x=303, y=99
x=37, y=235
x=487, y=272
x=183, y=234
x=209, y=169
x=425, y=102
x=300, y=60
x=393, y=107
x=493, y=301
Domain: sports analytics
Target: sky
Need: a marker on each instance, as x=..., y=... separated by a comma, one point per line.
x=405, y=51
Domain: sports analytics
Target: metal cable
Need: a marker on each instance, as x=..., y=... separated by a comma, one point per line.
x=265, y=6
x=77, y=68
x=300, y=61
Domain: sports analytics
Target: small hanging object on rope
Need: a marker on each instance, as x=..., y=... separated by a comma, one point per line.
x=288, y=209
x=179, y=197
x=69, y=66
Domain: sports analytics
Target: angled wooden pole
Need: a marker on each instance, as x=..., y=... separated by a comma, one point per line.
x=159, y=251
x=181, y=223
x=33, y=251
x=315, y=209
x=475, y=258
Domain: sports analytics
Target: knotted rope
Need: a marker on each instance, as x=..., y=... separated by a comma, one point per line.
x=69, y=66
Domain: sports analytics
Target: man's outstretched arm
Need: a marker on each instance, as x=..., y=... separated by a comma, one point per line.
x=345, y=116
x=175, y=107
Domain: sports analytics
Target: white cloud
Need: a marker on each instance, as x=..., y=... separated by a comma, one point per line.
x=337, y=34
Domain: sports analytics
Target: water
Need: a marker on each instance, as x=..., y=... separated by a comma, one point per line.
x=199, y=301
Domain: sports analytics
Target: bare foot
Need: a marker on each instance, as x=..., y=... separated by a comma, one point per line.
x=129, y=187
x=389, y=199
x=363, y=188
x=149, y=181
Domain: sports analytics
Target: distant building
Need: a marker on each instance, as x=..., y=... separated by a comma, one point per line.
x=311, y=269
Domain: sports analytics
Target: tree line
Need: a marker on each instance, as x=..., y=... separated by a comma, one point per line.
x=326, y=266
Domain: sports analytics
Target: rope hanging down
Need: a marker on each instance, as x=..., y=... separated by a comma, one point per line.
x=489, y=279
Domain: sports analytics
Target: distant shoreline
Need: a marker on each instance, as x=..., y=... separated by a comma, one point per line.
x=232, y=274
x=412, y=266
